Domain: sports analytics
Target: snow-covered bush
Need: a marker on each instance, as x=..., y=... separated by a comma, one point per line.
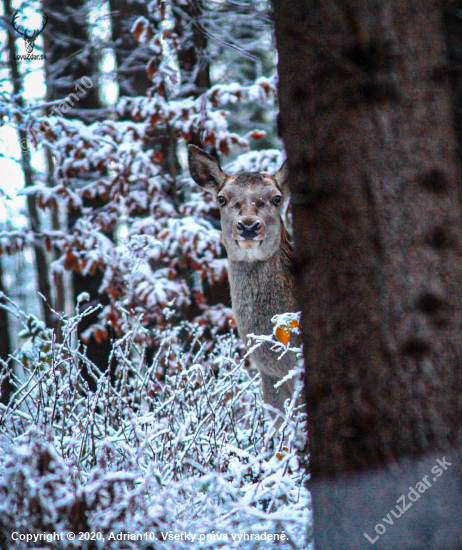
x=164, y=430
x=115, y=175
x=177, y=447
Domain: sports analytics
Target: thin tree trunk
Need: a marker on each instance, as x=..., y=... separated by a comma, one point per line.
x=192, y=54
x=194, y=66
x=131, y=57
x=367, y=122
x=6, y=387
x=41, y=261
x=57, y=276
x=70, y=57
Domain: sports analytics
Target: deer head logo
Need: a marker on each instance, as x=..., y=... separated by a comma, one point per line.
x=29, y=40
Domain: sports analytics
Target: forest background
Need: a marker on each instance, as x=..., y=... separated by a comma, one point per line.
x=126, y=406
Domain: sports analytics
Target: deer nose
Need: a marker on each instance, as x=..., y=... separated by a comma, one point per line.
x=248, y=230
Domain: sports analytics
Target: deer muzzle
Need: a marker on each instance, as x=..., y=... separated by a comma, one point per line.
x=249, y=233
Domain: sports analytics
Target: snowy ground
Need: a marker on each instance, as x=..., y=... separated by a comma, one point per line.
x=178, y=452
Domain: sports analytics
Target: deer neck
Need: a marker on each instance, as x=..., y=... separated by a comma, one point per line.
x=278, y=265
x=262, y=289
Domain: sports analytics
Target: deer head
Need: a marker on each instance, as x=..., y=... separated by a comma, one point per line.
x=250, y=206
x=29, y=40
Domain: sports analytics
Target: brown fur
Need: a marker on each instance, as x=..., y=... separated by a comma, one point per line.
x=260, y=290
x=260, y=268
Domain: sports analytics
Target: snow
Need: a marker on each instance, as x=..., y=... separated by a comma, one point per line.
x=174, y=439
x=268, y=160
x=201, y=459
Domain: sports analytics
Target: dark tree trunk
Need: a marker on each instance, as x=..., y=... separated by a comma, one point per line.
x=41, y=261
x=367, y=122
x=131, y=56
x=70, y=57
x=452, y=21
x=194, y=65
x=6, y=387
x=57, y=276
x=192, y=53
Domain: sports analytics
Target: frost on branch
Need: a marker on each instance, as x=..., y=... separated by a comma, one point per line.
x=178, y=444
x=111, y=165
x=168, y=434
x=268, y=160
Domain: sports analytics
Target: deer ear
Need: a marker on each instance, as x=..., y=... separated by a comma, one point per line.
x=205, y=170
x=282, y=178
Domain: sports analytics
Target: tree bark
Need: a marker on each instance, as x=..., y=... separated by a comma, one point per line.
x=192, y=53
x=131, y=57
x=367, y=122
x=41, y=261
x=70, y=58
x=452, y=22
x=69, y=54
x=6, y=387
x=57, y=276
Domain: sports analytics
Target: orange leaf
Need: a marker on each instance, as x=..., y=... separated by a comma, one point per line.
x=283, y=335
x=152, y=68
x=158, y=157
x=266, y=87
x=139, y=29
x=282, y=453
x=210, y=140
x=284, y=329
x=258, y=134
x=224, y=147
x=100, y=335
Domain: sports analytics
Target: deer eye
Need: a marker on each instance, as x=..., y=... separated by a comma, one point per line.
x=277, y=200
x=222, y=200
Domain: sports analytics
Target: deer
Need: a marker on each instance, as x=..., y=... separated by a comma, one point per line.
x=29, y=40
x=259, y=259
